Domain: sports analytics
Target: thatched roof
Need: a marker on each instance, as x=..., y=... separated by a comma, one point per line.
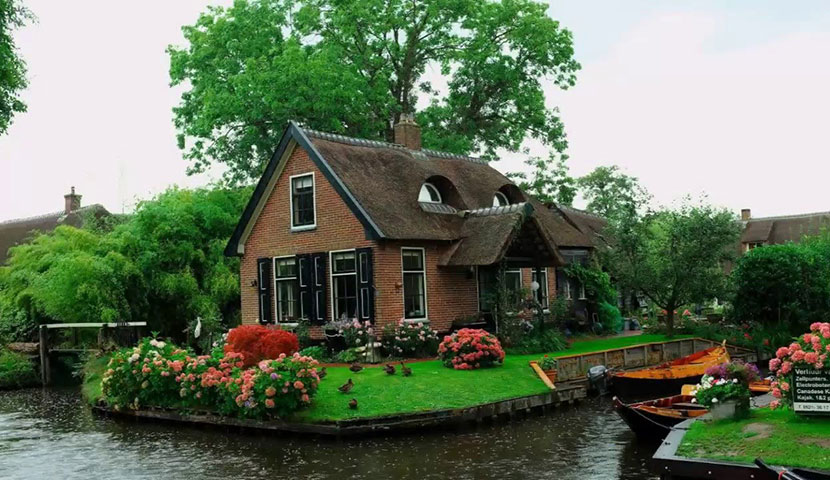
x=791, y=228
x=18, y=231
x=591, y=225
x=381, y=181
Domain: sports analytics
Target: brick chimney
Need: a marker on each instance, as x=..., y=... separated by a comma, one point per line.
x=407, y=132
x=72, y=202
x=746, y=214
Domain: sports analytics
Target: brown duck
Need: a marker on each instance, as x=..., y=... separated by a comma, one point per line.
x=405, y=370
x=346, y=387
x=353, y=404
x=389, y=369
x=356, y=367
x=322, y=373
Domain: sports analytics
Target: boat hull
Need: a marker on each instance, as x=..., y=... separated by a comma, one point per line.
x=654, y=422
x=630, y=388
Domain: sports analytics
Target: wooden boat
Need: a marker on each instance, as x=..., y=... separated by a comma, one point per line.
x=668, y=378
x=778, y=473
x=652, y=420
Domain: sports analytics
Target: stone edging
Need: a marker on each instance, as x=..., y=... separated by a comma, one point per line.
x=364, y=426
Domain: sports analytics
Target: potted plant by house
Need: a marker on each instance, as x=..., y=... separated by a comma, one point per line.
x=549, y=365
x=724, y=389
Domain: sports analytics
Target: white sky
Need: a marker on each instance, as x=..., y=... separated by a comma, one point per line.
x=726, y=98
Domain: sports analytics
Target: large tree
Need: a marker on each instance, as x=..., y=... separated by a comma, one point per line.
x=12, y=67
x=612, y=194
x=355, y=66
x=674, y=256
x=549, y=181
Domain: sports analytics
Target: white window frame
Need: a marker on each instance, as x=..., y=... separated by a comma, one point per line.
x=277, y=290
x=331, y=283
x=544, y=272
x=313, y=225
x=582, y=291
x=428, y=186
x=568, y=294
x=502, y=196
x=425, y=318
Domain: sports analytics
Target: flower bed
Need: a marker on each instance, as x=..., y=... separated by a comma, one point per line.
x=810, y=350
x=727, y=382
x=159, y=374
x=410, y=340
x=469, y=349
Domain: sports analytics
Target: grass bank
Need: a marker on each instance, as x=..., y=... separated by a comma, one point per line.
x=16, y=370
x=780, y=437
x=431, y=386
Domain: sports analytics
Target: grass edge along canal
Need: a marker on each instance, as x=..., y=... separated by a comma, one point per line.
x=779, y=437
x=432, y=386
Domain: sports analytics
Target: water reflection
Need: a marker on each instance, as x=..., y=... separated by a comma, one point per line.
x=51, y=434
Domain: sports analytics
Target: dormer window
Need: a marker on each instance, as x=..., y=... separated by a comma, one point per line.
x=303, y=203
x=500, y=200
x=429, y=194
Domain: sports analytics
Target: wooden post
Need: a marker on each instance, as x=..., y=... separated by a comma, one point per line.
x=45, y=373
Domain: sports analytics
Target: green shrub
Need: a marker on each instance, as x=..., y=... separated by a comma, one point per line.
x=348, y=355
x=16, y=370
x=316, y=351
x=410, y=340
x=550, y=340
x=610, y=317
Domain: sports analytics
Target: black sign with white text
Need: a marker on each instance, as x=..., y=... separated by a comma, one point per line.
x=811, y=391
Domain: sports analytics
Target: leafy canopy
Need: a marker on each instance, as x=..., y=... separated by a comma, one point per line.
x=355, y=66
x=550, y=181
x=674, y=256
x=12, y=67
x=612, y=194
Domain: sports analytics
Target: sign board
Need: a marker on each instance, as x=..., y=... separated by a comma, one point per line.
x=811, y=391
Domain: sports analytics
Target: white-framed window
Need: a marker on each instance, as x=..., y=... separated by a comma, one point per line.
x=287, y=302
x=343, y=284
x=566, y=287
x=500, y=200
x=413, y=271
x=429, y=194
x=541, y=294
x=303, y=202
x=582, y=291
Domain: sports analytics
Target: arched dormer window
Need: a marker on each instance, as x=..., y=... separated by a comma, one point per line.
x=500, y=200
x=429, y=194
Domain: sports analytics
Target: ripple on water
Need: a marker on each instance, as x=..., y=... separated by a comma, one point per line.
x=51, y=434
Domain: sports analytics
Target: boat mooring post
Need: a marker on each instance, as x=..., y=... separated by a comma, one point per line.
x=45, y=372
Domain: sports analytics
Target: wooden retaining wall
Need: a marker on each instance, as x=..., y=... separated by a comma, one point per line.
x=564, y=394
x=575, y=367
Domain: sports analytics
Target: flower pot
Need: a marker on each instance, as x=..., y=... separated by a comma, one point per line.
x=551, y=374
x=724, y=410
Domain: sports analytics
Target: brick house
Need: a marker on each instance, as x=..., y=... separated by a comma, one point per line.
x=339, y=228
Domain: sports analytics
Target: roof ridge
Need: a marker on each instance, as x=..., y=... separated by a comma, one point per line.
x=362, y=142
x=787, y=217
x=57, y=213
x=492, y=211
x=578, y=210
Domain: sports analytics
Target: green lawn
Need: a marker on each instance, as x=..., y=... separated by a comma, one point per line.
x=94, y=368
x=431, y=387
x=780, y=437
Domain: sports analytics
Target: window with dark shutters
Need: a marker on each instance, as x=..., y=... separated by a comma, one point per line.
x=306, y=285
x=318, y=288
x=264, y=282
x=365, y=284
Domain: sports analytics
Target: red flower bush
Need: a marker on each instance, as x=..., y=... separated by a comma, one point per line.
x=811, y=350
x=258, y=342
x=470, y=348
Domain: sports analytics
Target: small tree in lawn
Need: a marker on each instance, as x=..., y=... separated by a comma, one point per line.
x=674, y=256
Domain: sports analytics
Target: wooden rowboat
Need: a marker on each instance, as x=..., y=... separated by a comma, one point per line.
x=652, y=420
x=668, y=378
x=777, y=473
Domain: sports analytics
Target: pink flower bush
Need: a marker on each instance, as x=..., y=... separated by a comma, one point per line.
x=172, y=377
x=409, y=339
x=469, y=349
x=810, y=350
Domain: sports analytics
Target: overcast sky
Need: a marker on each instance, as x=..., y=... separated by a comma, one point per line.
x=729, y=99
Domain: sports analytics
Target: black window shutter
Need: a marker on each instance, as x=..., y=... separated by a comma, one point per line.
x=318, y=289
x=305, y=281
x=365, y=284
x=264, y=282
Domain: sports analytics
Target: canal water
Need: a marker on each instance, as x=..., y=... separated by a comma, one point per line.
x=51, y=434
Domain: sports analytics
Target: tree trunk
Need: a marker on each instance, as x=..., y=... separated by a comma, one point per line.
x=670, y=321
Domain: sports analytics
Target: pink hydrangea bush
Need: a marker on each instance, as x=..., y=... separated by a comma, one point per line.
x=810, y=350
x=144, y=375
x=410, y=340
x=469, y=349
x=174, y=378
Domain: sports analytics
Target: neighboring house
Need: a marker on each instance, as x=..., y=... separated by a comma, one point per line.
x=776, y=230
x=21, y=230
x=341, y=228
